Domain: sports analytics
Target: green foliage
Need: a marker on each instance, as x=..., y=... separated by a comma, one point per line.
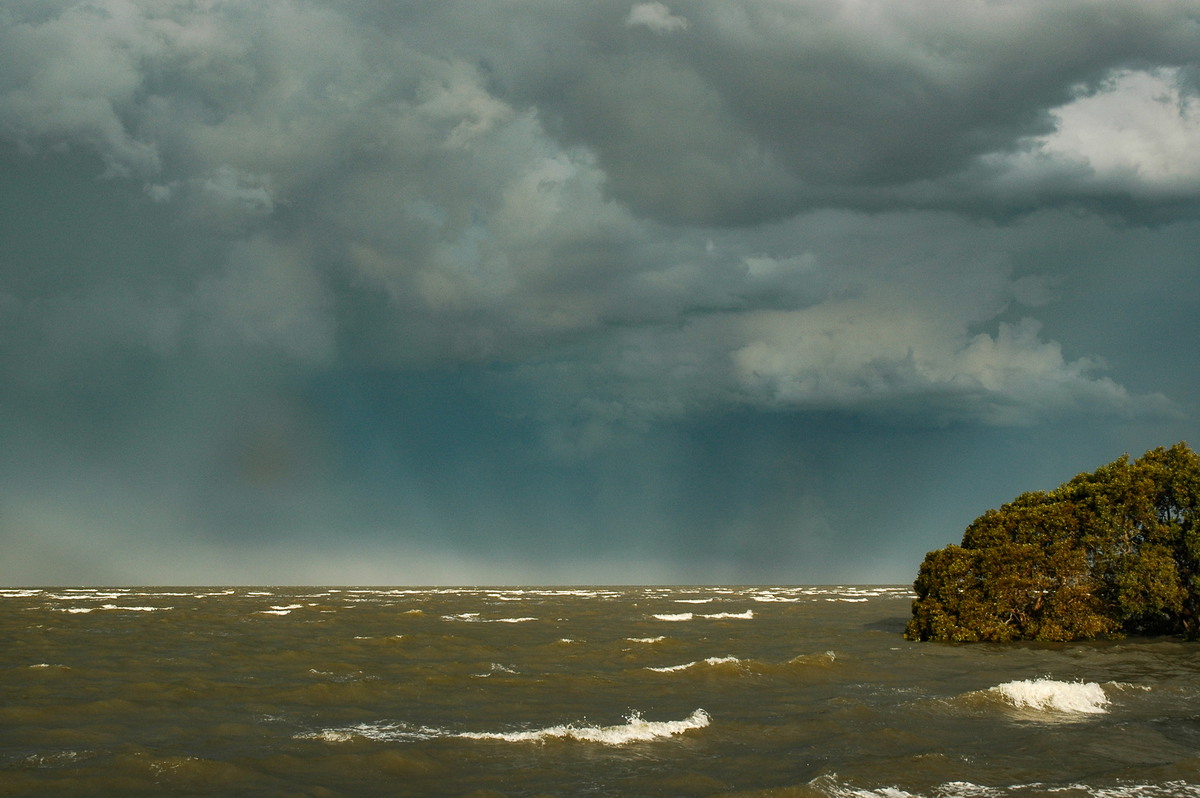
x=1110, y=553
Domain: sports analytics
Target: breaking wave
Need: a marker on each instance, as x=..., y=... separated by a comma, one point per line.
x=688, y=616
x=635, y=729
x=731, y=664
x=1040, y=700
x=494, y=669
x=474, y=617
x=1048, y=695
x=109, y=607
x=386, y=732
x=832, y=786
x=687, y=665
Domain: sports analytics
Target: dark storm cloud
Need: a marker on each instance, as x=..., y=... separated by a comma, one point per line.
x=735, y=113
x=431, y=275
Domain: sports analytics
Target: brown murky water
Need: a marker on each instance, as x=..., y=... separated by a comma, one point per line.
x=765, y=691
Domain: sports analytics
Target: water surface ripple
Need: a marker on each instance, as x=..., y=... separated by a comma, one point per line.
x=718, y=691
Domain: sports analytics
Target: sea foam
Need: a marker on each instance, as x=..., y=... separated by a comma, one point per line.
x=109, y=607
x=1048, y=695
x=686, y=665
x=388, y=732
x=674, y=616
x=832, y=786
x=473, y=617
x=635, y=729
x=687, y=616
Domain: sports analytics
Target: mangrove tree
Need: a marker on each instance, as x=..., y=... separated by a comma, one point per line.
x=1111, y=553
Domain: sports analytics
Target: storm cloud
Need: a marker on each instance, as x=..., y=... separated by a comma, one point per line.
x=532, y=291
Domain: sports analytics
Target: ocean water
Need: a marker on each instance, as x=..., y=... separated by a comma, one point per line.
x=717, y=691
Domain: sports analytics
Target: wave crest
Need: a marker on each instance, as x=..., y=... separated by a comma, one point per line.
x=1048, y=695
x=717, y=616
x=685, y=666
x=635, y=729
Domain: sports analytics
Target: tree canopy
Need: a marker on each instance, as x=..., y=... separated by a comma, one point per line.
x=1110, y=553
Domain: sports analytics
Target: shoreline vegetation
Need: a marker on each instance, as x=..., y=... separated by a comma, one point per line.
x=1111, y=553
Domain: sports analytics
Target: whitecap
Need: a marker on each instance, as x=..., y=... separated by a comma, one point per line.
x=832, y=786
x=1170, y=789
x=473, y=617
x=635, y=729
x=967, y=789
x=495, y=668
x=1048, y=695
x=835, y=788
x=658, y=639
x=113, y=607
x=373, y=731
x=462, y=616
x=687, y=665
x=679, y=616
x=745, y=616
x=88, y=593
x=672, y=668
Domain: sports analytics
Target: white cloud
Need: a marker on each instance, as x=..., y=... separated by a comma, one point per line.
x=73, y=80
x=872, y=356
x=655, y=16
x=1138, y=134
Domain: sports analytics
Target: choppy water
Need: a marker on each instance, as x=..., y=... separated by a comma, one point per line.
x=758, y=691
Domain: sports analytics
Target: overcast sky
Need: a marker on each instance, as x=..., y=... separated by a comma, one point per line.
x=524, y=291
